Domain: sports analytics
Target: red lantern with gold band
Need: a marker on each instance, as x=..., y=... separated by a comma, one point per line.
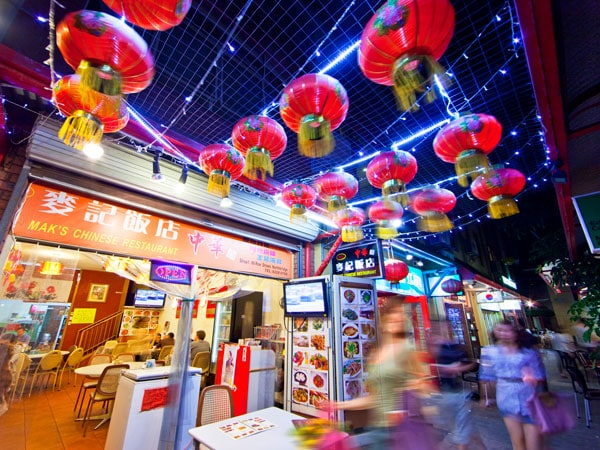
x=390, y=172
x=466, y=142
x=350, y=220
x=432, y=204
x=395, y=270
x=401, y=44
x=452, y=286
x=151, y=14
x=108, y=54
x=498, y=187
x=313, y=106
x=222, y=163
x=298, y=197
x=336, y=188
x=384, y=214
x=87, y=121
x=261, y=140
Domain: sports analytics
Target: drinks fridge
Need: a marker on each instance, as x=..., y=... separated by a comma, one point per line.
x=348, y=328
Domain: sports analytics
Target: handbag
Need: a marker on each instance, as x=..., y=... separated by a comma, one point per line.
x=552, y=412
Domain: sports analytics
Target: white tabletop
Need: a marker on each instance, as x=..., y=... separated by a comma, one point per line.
x=279, y=437
x=36, y=356
x=95, y=370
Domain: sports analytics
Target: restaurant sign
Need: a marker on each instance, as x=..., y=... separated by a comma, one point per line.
x=359, y=260
x=170, y=272
x=62, y=217
x=588, y=212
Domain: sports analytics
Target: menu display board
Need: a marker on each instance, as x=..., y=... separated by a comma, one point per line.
x=139, y=322
x=310, y=363
x=359, y=338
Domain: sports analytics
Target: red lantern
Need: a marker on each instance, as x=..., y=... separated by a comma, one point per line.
x=151, y=14
x=298, y=197
x=350, y=220
x=401, y=44
x=261, y=140
x=395, y=270
x=498, y=187
x=384, y=214
x=452, y=286
x=390, y=172
x=108, y=54
x=466, y=142
x=336, y=188
x=87, y=121
x=222, y=163
x=313, y=106
x=432, y=204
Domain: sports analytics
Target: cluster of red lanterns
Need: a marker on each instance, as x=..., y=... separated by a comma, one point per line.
x=158, y=15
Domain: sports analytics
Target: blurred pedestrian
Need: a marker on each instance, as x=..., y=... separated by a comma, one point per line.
x=517, y=371
x=6, y=374
x=395, y=371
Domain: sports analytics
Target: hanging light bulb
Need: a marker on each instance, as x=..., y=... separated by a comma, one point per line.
x=93, y=151
x=180, y=187
x=156, y=175
x=226, y=202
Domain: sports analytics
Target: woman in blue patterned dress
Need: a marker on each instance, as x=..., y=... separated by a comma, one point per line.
x=517, y=371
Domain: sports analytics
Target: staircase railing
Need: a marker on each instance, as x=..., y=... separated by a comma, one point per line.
x=96, y=334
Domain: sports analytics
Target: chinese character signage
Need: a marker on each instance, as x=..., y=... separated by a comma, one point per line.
x=52, y=215
x=359, y=260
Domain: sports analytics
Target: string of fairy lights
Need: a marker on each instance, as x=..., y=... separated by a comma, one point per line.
x=416, y=138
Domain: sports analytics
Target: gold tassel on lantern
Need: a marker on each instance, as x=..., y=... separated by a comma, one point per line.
x=314, y=137
x=395, y=191
x=434, y=223
x=500, y=207
x=386, y=231
x=352, y=233
x=219, y=183
x=470, y=164
x=336, y=203
x=102, y=79
x=80, y=129
x=409, y=81
x=297, y=213
x=258, y=161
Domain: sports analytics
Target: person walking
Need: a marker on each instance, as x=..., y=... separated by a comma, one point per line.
x=517, y=371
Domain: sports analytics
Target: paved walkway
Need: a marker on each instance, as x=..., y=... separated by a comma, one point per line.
x=493, y=433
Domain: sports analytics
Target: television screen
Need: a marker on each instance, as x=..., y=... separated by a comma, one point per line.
x=149, y=298
x=305, y=298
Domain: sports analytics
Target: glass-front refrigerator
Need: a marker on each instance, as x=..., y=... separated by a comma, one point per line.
x=221, y=330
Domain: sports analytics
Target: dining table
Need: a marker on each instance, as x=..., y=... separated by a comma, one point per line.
x=35, y=356
x=224, y=435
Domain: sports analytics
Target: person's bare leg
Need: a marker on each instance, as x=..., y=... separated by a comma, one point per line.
x=533, y=438
x=516, y=433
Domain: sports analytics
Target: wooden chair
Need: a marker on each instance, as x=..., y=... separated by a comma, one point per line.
x=105, y=392
x=20, y=374
x=90, y=383
x=126, y=357
x=48, y=365
x=164, y=352
x=215, y=404
x=121, y=347
x=580, y=387
x=70, y=365
x=202, y=361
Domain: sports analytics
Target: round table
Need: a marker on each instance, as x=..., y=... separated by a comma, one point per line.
x=95, y=370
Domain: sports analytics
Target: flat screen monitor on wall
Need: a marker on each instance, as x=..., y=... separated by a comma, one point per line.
x=306, y=298
x=149, y=298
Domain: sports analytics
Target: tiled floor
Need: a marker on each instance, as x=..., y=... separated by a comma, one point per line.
x=45, y=421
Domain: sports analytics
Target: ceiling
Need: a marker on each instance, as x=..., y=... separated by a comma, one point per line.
x=227, y=60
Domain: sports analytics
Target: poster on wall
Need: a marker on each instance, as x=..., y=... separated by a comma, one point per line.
x=138, y=322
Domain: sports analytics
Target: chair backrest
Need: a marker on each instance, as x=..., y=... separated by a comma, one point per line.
x=202, y=361
x=22, y=364
x=121, y=347
x=100, y=359
x=126, y=357
x=109, y=345
x=138, y=345
x=51, y=360
x=577, y=379
x=75, y=357
x=109, y=379
x=165, y=351
x=216, y=403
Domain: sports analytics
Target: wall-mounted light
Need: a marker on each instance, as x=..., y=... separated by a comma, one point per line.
x=93, y=151
x=180, y=187
x=226, y=202
x=156, y=175
x=51, y=268
x=420, y=263
x=409, y=257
